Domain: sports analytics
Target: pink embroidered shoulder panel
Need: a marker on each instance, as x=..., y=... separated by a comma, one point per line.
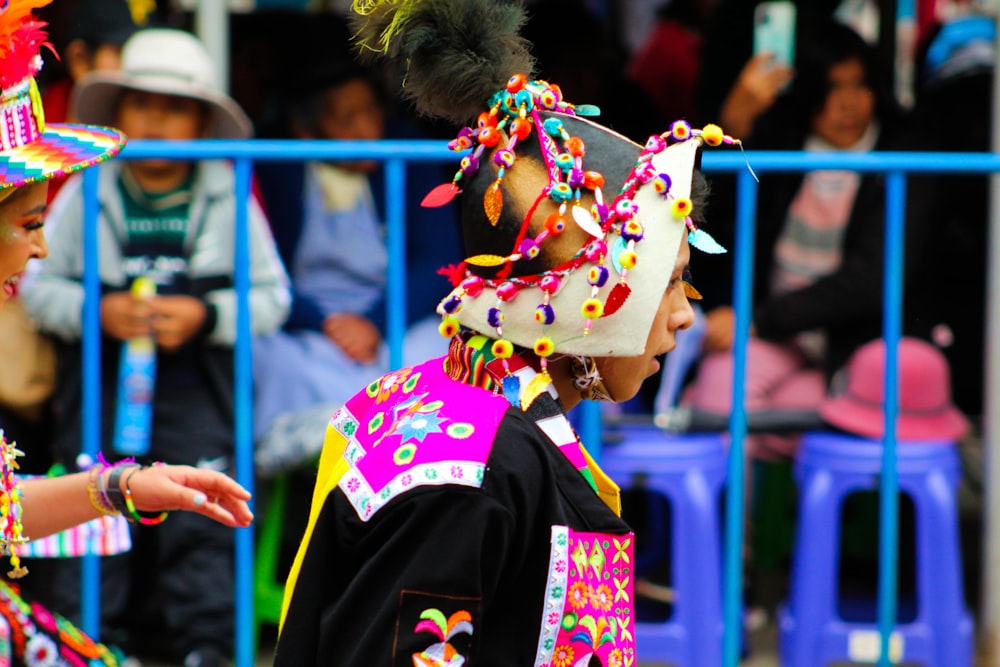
x=415, y=427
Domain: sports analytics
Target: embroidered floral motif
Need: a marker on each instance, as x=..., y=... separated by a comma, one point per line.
x=442, y=653
x=460, y=431
x=579, y=595
x=621, y=589
x=35, y=637
x=621, y=550
x=592, y=622
x=404, y=454
x=367, y=500
x=411, y=383
x=404, y=436
x=41, y=651
x=602, y=598
x=563, y=656
x=391, y=383
x=418, y=426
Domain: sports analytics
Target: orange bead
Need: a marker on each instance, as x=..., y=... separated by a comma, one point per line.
x=555, y=224
x=593, y=179
x=521, y=128
x=516, y=82
x=575, y=147
x=489, y=136
x=486, y=119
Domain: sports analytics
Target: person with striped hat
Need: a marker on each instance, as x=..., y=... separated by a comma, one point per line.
x=31, y=153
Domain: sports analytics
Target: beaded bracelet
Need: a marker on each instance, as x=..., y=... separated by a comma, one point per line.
x=114, y=488
x=134, y=515
x=10, y=507
x=97, y=491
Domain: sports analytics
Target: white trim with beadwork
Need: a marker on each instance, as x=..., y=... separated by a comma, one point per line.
x=367, y=502
x=555, y=595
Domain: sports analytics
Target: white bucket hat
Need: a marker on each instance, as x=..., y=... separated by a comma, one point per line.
x=171, y=62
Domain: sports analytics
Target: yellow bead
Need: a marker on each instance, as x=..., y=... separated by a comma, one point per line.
x=628, y=260
x=502, y=349
x=448, y=327
x=544, y=346
x=681, y=207
x=712, y=134
x=592, y=308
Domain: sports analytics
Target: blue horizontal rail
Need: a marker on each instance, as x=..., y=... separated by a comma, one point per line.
x=395, y=155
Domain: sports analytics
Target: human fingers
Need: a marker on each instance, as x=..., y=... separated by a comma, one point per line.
x=216, y=496
x=224, y=509
x=213, y=494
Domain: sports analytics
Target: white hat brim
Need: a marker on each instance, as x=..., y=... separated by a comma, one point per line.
x=96, y=95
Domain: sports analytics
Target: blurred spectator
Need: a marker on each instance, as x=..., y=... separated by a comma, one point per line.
x=817, y=265
x=947, y=215
x=95, y=33
x=728, y=42
x=170, y=221
x=327, y=221
x=667, y=63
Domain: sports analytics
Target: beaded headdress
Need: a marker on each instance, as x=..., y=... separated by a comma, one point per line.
x=554, y=264
x=30, y=150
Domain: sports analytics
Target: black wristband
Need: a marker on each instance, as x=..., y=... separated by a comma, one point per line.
x=115, y=494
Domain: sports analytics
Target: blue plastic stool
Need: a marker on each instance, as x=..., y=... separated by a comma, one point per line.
x=830, y=467
x=689, y=471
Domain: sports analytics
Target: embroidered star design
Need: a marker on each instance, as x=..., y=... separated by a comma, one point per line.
x=417, y=426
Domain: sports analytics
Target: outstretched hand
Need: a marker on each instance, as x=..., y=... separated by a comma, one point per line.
x=177, y=487
x=759, y=83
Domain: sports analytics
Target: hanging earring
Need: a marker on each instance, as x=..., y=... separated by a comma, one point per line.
x=587, y=379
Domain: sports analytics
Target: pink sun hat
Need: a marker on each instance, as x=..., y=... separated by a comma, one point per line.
x=925, y=408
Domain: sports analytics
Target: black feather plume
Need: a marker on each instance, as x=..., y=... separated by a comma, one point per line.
x=454, y=53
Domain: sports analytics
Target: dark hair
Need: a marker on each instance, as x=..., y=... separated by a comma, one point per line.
x=821, y=45
x=306, y=92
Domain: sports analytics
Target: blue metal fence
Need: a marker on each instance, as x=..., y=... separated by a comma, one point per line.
x=395, y=155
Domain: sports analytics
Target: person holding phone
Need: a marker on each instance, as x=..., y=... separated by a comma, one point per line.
x=768, y=72
x=817, y=262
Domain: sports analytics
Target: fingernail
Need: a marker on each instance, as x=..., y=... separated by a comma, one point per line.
x=199, y=499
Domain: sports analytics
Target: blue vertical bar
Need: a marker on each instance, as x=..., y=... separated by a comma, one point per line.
x=395, y=212
x=746, y=215
x=90, y=609
x=589, y=414
x=892, y=326
x=243, y=427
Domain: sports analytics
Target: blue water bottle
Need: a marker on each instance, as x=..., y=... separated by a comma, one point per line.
x=136, y=381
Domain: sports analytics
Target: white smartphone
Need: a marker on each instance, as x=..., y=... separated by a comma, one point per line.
x=774, y=31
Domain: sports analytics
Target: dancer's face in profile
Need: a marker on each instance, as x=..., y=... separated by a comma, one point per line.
x=22, y=215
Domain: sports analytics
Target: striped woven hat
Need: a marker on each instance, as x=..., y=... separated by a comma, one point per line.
x=30, y=150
